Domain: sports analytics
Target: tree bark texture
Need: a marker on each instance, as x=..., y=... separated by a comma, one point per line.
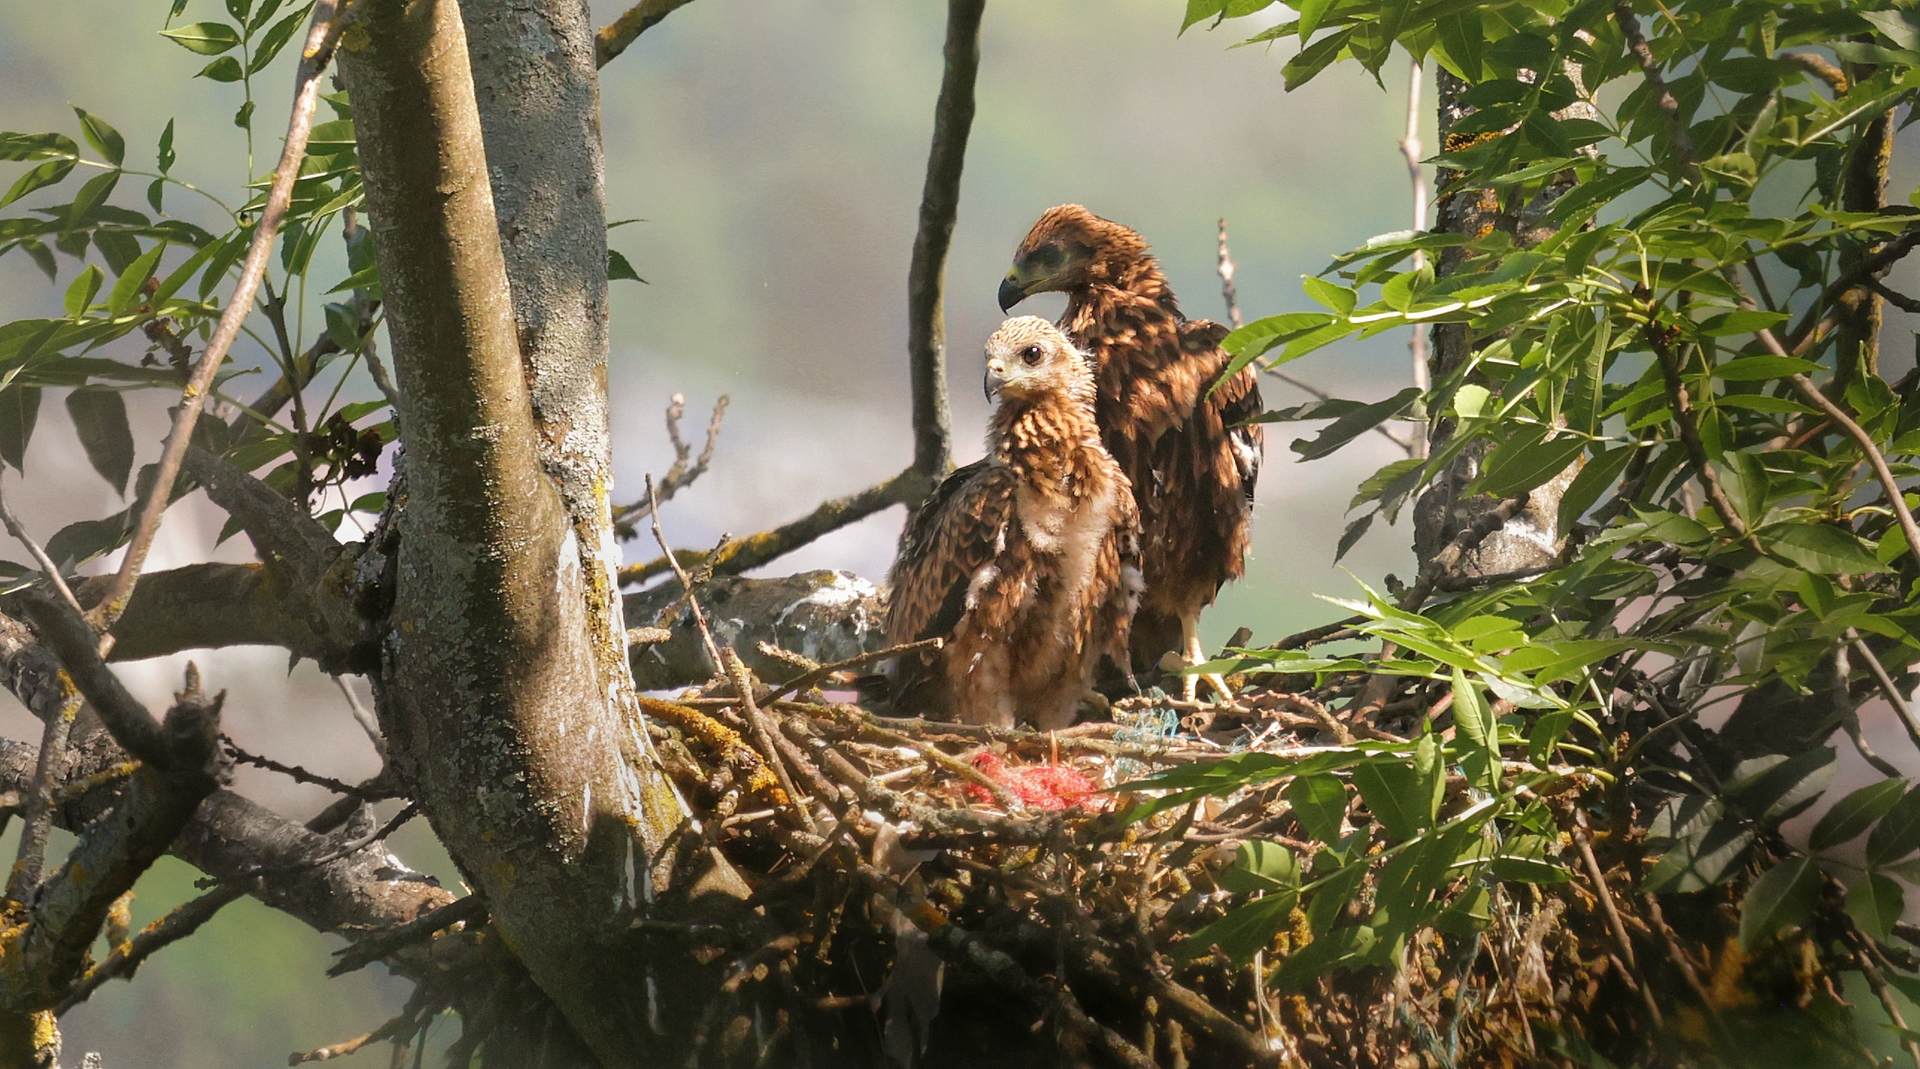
x=1532, y=537
x=493, y=696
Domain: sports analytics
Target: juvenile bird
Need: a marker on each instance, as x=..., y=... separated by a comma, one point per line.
x=1026, y=561
x=1192, y=469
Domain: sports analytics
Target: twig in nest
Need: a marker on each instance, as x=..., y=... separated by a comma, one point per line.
x=685, y=468
x=686, y=584
x=801, y=683
x=762, y=732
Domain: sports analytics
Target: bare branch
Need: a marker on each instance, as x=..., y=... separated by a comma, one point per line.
x=365, y=952
x=1820, y=67
x=37, y=813
x=1657, y=84
x=1412, y=151
x=615, y=36
x=329, y=20
x=907, y=488
x=364, y=792
x=939, y=206
x=826, y=671
x=47, y=567
x=363, y=716
x=686, y=584
x=1901, y=706
x=126, y=958
x=1228, y=291
x=73, y=641
x=1897, y=299
x=684, y=470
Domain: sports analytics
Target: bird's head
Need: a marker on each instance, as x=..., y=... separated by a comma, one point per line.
x=1067, y=248
x=1029, y=357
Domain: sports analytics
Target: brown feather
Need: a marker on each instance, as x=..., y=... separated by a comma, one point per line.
x=1192, y=472
x=1026, y=562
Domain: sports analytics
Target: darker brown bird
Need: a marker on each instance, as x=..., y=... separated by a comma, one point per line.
x=1026, y=561
x=1192, y=468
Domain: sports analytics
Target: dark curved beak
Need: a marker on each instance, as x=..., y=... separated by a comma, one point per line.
x=1011, y=293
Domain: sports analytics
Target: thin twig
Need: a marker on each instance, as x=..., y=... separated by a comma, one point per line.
x=1662, y=96
x=615, y=36
x=363, y=716
x=37, y=813
x=815, y=675
x=346, y=849
x=686, y=584
x=1412, y=151
x=1878, y=983
x=741, y=554
x=330, y=18
x=301, y=775
x=1880, y=676
x=1614, y=922
x=756, y=718
x=52, y=570
x=124, y=960
x=682, y=473
x=374, y=947
x=1689, y=426
x=1895, y=496
x=1228, y=291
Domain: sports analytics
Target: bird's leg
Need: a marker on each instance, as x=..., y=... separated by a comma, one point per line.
x=1197, y=655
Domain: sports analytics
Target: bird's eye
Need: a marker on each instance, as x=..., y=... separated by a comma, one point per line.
x=1031, y=355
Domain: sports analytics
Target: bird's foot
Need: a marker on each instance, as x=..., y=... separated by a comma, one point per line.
x=1197, y=656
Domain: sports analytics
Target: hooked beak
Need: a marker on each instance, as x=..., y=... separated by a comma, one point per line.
x=996, y=378
x=1012, y=292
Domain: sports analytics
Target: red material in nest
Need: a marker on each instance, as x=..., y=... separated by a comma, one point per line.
x=1047, y=787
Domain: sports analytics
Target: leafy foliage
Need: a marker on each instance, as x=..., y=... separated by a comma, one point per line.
x=1697, y=224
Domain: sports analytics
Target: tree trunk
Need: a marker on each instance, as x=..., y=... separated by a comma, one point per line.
x=501, y=689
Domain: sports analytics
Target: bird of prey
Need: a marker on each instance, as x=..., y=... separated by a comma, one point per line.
x=1026, y=561
x=1191, y=462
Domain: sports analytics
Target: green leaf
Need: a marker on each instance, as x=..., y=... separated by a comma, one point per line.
x=1855, y=813
x=206, y=38
x=165, y=156
x=367, y=278
x=1356, y=423
x=1476, y=727
x=39, y=177
x=1244, y=930
x=1820, y=547
x=19, y=411
x=1200, y=11
x=1701, y=859
x=1339, y=299
x=1595, y=478
x=1784, y=896
x=1516, y=465
x=1319, y=804
x=1396, y=794
x=103, y=137
x=1875, y=902
x=81, y=291
x=100, y=418
x=15, y=146
x=1898, y=833
x=618, y=268
x=1789, y=786
x=268, y=47
x=1741, y=322
x=224, y=69
x=1262, y=866
x=1757, y=368
x=126, y=292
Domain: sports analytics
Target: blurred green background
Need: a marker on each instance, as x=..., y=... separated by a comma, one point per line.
x=774, y=151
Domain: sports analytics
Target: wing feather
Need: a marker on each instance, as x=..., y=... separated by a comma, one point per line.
x=957, y=532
